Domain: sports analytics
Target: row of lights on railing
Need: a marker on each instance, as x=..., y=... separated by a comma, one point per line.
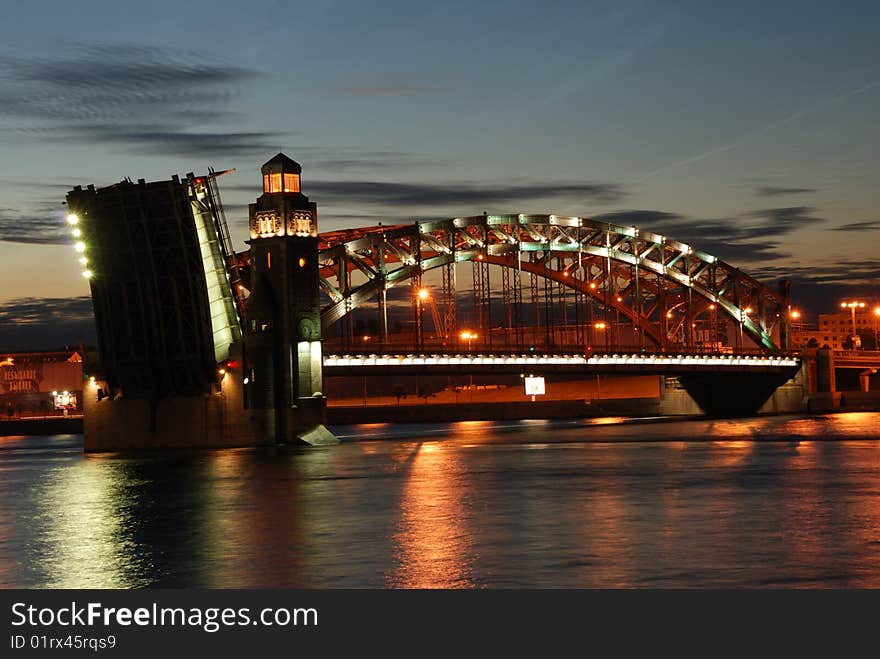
x=79, y=245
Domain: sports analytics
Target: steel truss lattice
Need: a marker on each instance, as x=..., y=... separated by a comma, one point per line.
x=659, y=286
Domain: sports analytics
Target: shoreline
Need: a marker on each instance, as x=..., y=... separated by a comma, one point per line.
x=424, y=432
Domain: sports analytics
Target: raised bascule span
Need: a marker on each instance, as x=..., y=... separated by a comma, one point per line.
x=203, y=346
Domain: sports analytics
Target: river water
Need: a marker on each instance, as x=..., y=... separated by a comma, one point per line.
x=760, y=502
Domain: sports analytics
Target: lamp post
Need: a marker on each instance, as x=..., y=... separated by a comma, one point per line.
x=421, y=296
x=795, y=338
x=601, y=326
x=468, y=336
x=876, y=319
x=743, y=314
x=852, y=306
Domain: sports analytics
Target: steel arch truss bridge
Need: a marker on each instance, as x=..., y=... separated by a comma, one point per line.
x=566, y=280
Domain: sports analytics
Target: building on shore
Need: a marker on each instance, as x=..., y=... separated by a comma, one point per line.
x=41, y=383
x=836, y=330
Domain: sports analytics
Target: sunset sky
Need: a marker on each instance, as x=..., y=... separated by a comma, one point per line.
x=749, y=129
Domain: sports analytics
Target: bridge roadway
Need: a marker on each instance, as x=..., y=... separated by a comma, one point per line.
x=856, y=358
x=541, y=364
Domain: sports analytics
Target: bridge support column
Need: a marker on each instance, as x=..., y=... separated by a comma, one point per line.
x=732, y=394
x=825, y=375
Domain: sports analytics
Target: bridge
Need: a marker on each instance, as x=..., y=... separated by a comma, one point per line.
x=558, y=280
x=549, y=294
x=181, y=315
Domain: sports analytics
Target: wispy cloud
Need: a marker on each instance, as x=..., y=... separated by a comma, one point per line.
x=142, y=98
x=780, y=221
x=461, y=195
x=42, y=224
x=382, y=90
x=159, y=140
x=32, y=323
x=750, y=237
x=771, y=191
x=867, y=225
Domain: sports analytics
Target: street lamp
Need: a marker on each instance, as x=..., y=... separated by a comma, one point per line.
x=876, y=318
x=421, y=296
x=852, y=306
x=467, y=335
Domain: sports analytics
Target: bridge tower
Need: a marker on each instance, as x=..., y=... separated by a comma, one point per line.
x=282, y=317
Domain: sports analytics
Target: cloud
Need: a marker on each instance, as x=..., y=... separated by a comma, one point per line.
x=462, y=195
x=43, y=224
x=750, y=237
x=371, y=90
x=338, y=158
x=638, y=218
x=770, y=191
x=819, y=287
x=156, y=140
x=867, y=225
x=754, y=240
x=780, y=221
x=44, y=323
x=143, y=98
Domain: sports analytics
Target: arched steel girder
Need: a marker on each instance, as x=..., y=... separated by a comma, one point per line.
x=422, y=246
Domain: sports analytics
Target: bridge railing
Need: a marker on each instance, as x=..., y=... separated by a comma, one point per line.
x=379, y=348
x=870, y=354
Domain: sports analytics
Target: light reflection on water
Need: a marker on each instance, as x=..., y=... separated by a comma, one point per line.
x=752, y=502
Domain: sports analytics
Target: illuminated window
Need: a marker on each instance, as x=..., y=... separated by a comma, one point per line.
x=271, y=182
x=269, y=260
x=291, y=182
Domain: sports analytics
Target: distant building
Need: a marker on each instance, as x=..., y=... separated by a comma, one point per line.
x=835, y=329
x=40, y=383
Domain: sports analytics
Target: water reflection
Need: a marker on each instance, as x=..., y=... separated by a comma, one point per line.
x=751, y=502
x=433, y=541
x=89, y=542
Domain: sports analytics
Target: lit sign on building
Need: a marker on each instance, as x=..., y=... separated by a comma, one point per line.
x=64, y=400
x=534, y=386
x=20, y=380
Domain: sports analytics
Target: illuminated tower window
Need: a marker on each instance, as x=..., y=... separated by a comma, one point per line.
x=291, y=182
x=281, y=174
x=272, y=183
